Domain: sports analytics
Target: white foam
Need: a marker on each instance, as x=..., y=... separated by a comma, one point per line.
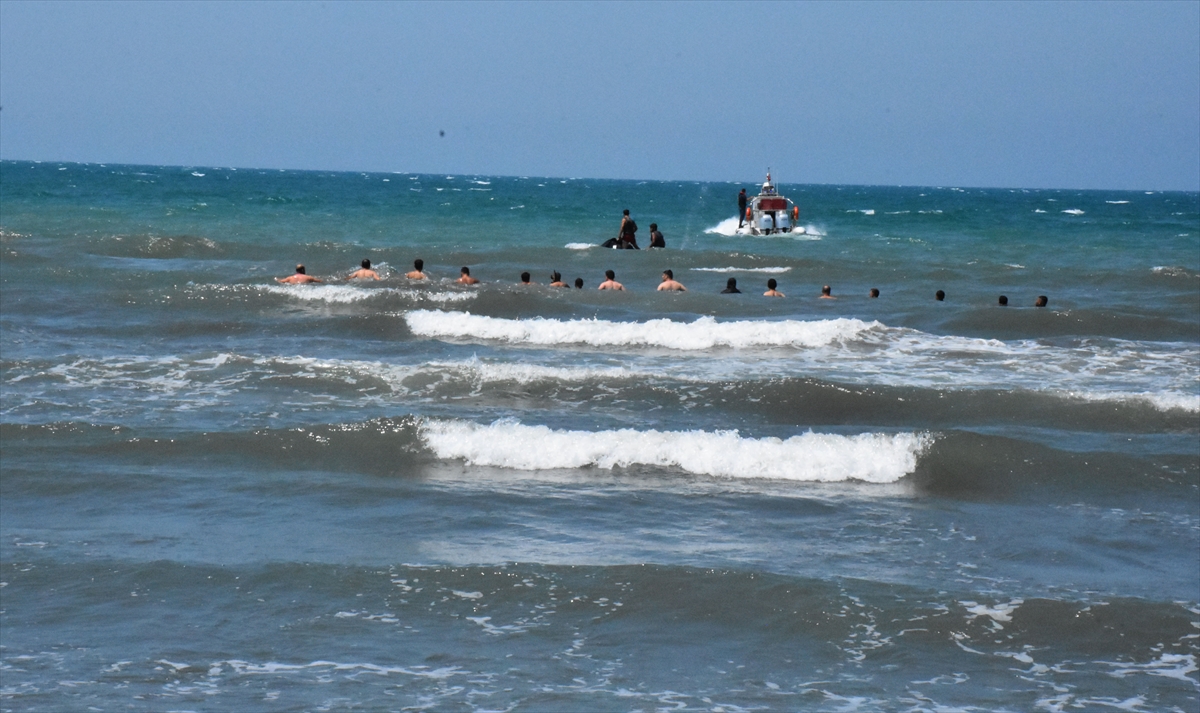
x=579, y=246
x=1073, y=211
x=345, y=294
x=727, y=227
x=1173, y=271
x=812, y=457
x=704, y=333
x=1001, y=613
x=1117, y=202
x=769, y=270
x=1163, y=401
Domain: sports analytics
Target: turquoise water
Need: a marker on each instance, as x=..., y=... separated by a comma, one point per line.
x=221, y=492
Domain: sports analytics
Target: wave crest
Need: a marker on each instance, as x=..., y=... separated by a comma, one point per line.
x=811, y=457
x=704, y=333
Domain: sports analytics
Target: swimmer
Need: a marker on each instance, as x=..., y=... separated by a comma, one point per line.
x=416, y=274
x=827, y=294
x=670, y=284
x=579, y=283
x=610, y=281
x=731, y=287
x=1042, y=301
x=465, y=278
x=656, y=238
x=771, y=291
x=940, y=296
x=299, y=278
x=525, y=279
x=874, y=292
x=1003, y=300
x=556, y=280
x=364, y=273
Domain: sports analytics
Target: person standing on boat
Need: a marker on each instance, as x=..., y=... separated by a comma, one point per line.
x=626, y=236
x=742, y=207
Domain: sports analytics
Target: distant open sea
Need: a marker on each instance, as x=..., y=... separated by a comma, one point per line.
x=221, y=493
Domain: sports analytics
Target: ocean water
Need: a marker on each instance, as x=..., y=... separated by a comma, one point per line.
x=222, y=493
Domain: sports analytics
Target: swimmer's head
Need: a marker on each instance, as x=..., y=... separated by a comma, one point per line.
x=1003, y=300
x=626, y=212
x=524, y=277
x=299, y=269
x=1042, y=301
x=731, y=283
x=419, y=264
x=826, y=291
x=941, y=296
x=555, y=277
x=610, y=274
x=874, y=292
x=466, y=270
x=771, y=284
x=654, y=226
x=668, y=274
x=579, y=283
x=366, y=264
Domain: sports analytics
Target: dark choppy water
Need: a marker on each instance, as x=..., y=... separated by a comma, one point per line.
x=221, y=493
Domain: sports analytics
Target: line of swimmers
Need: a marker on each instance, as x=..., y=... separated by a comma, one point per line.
x=668, y=283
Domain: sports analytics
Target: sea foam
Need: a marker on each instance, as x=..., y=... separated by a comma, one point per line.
x=769, y=270
x=704, y=333
x=345, y=294
x=814, y=457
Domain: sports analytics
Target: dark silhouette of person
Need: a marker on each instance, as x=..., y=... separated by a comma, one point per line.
x=731, y=287
x=742, y=199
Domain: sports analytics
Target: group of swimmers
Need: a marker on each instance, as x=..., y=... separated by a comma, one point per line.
x=668, y=283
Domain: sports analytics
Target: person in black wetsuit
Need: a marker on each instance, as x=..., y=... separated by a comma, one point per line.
x=731, y=287
x=742, y=207
x=627, y=235
x=656, y=238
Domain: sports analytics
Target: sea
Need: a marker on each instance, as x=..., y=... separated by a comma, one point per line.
x=220, y=493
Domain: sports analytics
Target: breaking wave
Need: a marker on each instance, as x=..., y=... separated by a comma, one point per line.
x=704, y=333
x=813, y=457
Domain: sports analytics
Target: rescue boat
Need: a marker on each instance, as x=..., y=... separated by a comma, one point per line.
x=769, y=213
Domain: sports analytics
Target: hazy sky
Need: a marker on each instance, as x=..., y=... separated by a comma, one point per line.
x=1028, y=94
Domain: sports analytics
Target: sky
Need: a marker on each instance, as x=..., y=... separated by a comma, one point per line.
x=1102, y=95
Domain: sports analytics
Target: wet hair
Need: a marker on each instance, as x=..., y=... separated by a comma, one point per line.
x=466, y=270
x=1003, y=300
x=731, y=282
x=419, y=264
x=366, y=264
x=610, y=274
x=626, y=212
x=874, y=291
x=940, y=296
x=1042, y=301
x=654, y=226
x=670, y=275
x=299, y=269
x=524, y=277
x=579, y=283
x=771, y=283
x=555, y=277
x=825, y=290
